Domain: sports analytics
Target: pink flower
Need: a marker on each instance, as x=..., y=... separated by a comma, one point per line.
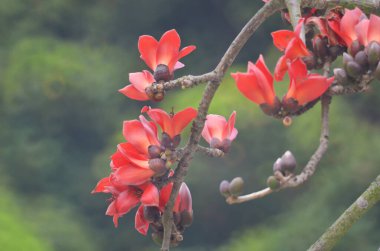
x=218, y=132
x=368, y=30
x=139, y=82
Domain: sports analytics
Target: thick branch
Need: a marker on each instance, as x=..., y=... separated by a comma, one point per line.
x=340, y=227
x=366, y=5
x=228, y=58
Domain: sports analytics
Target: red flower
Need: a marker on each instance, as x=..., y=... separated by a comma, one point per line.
x=293, y=47
x=171, y=124
x=345, y=27
x=163, y=52
x=218, y=132
x=139, y=82
x=368, y=30
x=303, y=87
x=125, y=198
x=257, y=84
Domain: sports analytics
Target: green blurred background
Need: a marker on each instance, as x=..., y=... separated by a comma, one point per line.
x=61, y=64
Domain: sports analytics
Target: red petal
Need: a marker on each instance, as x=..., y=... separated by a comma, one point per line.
x=131, y=92
x=231, y=130
x=311, y=89
x=282, y=38
x=101, y=186
x=298, y=70
x=362, y=31
x=150, y=129
x=141, y=80
x=130, y=153
x=373, y=29
x=281, y=68
x=132, y=175
x=117, y=160
x=347, y=25
x=165, y=195
x=168, y=49
x=186, y=51
x=181, y=119
x=126, y=201
x=135, y=133
x=248, y=85
x=111, y=211
x=141, y=224
x=162, y=119
x=298, y=28
x=260, y=63
x=296, y=48
x=150, y=196
x=148, y=49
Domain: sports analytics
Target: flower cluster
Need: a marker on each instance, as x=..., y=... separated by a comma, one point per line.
x=162, y=57
x=139, y=162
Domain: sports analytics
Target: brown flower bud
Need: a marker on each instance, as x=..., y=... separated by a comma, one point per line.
x=158, y=166
x=340, y=76
x=277, y=166
x=176, y=141
x=347, y=58
x=288, y=162
x=353, y=69
x=162, y=73
x=224, y=188
x=310, y=62
x=273, y=183
x=373, y=51
x=335, y=51
x=362, y=59
x=166, y=141
x=154, y=151
x=186, y=218
x=152, y=214
x=355, y=48
x=158, y=96
x=236, y=186
x=149, y=92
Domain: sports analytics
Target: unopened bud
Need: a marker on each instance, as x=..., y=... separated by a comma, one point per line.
x=166, y=141
x=154, y=151
x=373, y=51
x=310, y=62
x=176, y=140
x=273, y=183
x=236, y=186
x=152, y=214
x=347, y=58
x=149, y=92
x=353, y=69
x=158, y=165
x=362, y=59
x=320, y=47
x=224, y=188
x=355, y=48
x=186, y=218
x=158, y=96
x=335, y=51
x=340, y=76
x=162, y=73
x=277, y=166
x=288, y=162
x=376, y=73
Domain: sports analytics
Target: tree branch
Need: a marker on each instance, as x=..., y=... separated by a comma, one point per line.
x=340, y=227
x=267, y=10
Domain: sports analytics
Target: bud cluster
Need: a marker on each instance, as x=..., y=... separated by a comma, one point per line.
x=233, y=188
x=282, y=167
x=359, y=61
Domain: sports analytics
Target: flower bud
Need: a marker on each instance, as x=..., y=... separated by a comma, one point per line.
x=290, y=105
x=320, y=47
x=186, y=218
x=355, y=48
x=152, y=214
x=362, y=59
x=273, y=183
x=340, y=76
x=335, y=51
x=271, y=109
x=176, y=141
x=149, y=92
x=353, y=69
x=288, y=162
x=376, y=73
x=166, y=141
x=347, y=58
x=158, y=165
x=373, y=51
x=224, y=188
x=277, y=166
x=154, y=151
x=162, y=73
x=236, y=186
x=310, y=62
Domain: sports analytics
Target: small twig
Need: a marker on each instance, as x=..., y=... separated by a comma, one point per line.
x=211, y=152
x=248, y=197
x=340, y=227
